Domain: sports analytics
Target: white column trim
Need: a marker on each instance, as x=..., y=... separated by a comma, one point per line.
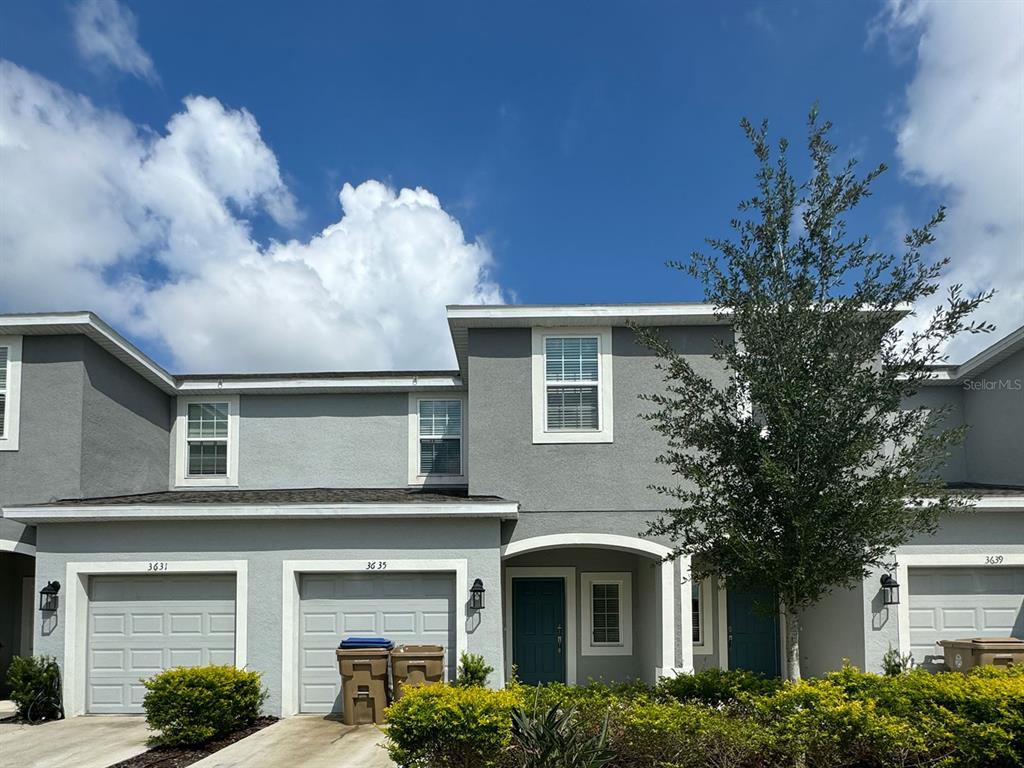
x=723, y=627
x=292, y=569
x=18, y=547
x=568, y=575
x=945, y=560
x=76, y=614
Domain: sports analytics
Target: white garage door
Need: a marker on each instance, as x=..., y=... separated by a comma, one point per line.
x=952, y=603
x=140, y=625
x=409, y=608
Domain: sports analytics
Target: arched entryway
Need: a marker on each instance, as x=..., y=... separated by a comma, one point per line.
x=594, y=605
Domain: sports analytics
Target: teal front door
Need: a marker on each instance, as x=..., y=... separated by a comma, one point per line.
x=538, y=630
x=753, y=630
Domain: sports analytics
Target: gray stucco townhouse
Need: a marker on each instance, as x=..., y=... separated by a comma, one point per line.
x=257, y=519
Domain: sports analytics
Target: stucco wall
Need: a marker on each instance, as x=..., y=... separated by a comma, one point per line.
x=345, y=441
x=598, y=476
x=994, y=407
x=831, y=632
x=951, y=397
x=265, y=544
x=126, y=425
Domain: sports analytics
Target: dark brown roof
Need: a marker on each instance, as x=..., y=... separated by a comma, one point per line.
x=276, y=497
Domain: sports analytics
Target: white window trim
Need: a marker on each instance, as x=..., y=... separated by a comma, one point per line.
x=605, y=420
x=415, y=478
x=76, y=605
x=624, y=580
x=568, y=577
x=181, y=477
x=706, y=646
x=904, y=562
x=12, y=415
x=291, y=572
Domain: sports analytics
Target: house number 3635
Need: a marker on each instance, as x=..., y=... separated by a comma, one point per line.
x=377, y=565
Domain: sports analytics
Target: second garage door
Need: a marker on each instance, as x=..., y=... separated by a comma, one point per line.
x=409, y=608
x=140, y=625
x=952, y=603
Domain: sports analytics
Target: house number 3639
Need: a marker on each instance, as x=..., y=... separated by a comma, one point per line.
x=993, y=559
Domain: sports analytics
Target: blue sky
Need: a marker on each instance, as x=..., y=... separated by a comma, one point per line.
x=579, y=146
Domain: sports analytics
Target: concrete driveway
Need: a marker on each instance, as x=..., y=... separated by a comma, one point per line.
x=82, y=742
x=309, y=741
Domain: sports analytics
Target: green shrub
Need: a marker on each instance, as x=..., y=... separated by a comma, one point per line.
x=35, y=687
x=192, y=705
x=552, y=737
x=895, y=663
x=441, y=726
x=716, y=686
x=473, y=670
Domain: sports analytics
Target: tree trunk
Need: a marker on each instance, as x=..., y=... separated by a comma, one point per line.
x=792, y=645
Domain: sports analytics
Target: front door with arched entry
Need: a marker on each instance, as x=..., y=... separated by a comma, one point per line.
x=753, y=618
x=538, y=629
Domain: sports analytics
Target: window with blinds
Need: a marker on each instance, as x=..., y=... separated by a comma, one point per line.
x=695, y=598
x=4, y=357
x=606, y=625
x=440, y=437
x=572, y=383
x=207, y=439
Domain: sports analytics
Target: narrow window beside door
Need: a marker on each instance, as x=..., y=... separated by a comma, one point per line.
x=607, y=614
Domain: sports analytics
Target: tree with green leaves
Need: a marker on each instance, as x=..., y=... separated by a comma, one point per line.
x=804, y=472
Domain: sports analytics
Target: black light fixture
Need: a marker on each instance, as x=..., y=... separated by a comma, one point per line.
x=48, y=597
x=890, y=590
x=476, y=595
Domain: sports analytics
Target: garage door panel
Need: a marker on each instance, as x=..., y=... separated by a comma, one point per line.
x=141, y=624
x=407, y=608
x=952, y=603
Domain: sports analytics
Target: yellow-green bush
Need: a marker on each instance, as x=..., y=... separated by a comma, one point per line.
x=441, y=726
x=716, y=686
x=192, y=705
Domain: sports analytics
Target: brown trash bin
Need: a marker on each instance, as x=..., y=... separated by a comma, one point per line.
x=364, y=684
x=963, y=655
x=416, y=665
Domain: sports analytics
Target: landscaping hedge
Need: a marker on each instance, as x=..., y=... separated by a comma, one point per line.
x=193, y=705
x=716, y=719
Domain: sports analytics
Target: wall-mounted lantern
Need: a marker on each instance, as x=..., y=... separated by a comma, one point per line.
x=476, y=595
x=890, y=590
x=48, y=597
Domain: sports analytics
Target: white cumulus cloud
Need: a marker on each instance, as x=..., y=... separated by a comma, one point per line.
x=151, y=229
x=961, y=129
x=106, y=34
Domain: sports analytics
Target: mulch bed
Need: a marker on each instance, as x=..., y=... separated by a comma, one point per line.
x=179, y=757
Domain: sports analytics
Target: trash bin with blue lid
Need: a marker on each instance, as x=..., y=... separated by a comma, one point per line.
x=363, y=664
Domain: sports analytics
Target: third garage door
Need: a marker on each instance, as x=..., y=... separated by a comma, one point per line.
x=953, y=603
x=408, y=608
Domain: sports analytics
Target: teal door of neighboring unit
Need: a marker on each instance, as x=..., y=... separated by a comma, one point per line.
x=753, y=630
x=538, y=630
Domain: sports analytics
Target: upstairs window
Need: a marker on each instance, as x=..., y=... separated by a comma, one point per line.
x=571, y=382
x=695, y=608
x=437, y=430
x=10, y=391
x=207, y=441
x=440, y=436
x=572, y=396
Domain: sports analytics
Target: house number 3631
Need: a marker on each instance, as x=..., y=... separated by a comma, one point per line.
x=157, y=567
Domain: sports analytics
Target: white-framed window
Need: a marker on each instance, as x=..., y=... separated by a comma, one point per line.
x=10, y=392
x=700, y=612
x=572, y=385
x=437, y=431
x=607, y=601
x=206, y=437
